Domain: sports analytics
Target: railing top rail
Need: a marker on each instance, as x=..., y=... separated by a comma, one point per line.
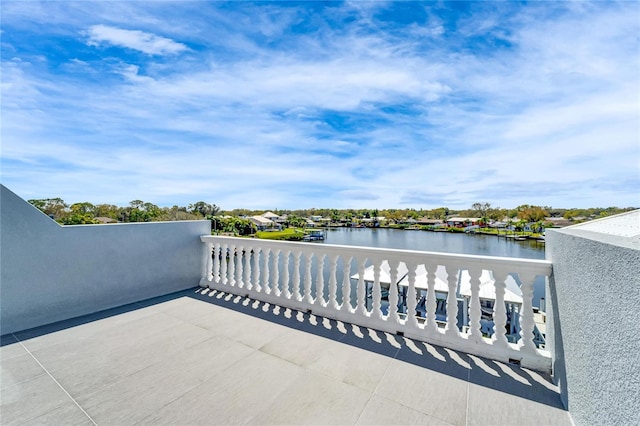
x=536, y=266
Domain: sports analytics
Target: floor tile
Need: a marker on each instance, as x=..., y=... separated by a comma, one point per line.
x=30, y=399
x=296, y=346
x=314, y=398
x=234, y=396
x=243, y=328
x=18, y=369
x=187, y=309
x=97, y=363
x=430, y=392
x=80, y=328
x=351, y=365
x=68, y=414
x=10, y=347
x=381, y=411
x=138, y=395
x=513, y=380
x=490, y=406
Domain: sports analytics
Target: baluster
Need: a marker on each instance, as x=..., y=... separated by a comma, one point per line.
x=451, y=328
x=474, y=307
x=393, y=292
x=431, y=325
x=224, y=251
x=333, y=284
x=231, y=267
x=207, y=264
x=527, y=322
x=307, y=277
x=239, y=261
x=296, y=275
x=376, y=312
x=266, y=285
x=320, y=280
x=215, y=274
x=499, y=309
x=346, y=284
x=285, y=279
x=275, y=260
x=256, y=269
x=361, y=290
x=248, y=271
x=411, y=294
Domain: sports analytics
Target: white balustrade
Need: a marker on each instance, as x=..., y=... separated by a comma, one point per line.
x=451, y=327
x=298, y=275
x=392, y=316
x=499, y=309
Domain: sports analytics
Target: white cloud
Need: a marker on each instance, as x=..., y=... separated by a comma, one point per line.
x=133, y=39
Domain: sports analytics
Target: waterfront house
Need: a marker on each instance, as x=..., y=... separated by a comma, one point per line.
x=462, y=222
x=263, y=224
x=436, y=223
x=271, y=216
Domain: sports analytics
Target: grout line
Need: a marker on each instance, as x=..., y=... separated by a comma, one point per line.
x=54, y=379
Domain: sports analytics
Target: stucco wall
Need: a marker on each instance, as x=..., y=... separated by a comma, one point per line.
x=50, y=272
x=595, y=293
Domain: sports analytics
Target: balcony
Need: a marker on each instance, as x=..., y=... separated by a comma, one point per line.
x=162, y=323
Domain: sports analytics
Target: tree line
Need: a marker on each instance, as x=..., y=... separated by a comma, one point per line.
x=136, y=211
x=232, y=220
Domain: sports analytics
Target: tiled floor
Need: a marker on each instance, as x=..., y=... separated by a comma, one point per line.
x=197, y=358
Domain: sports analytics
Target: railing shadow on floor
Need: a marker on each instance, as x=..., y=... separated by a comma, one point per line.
x=499, y=376
x=508, y=378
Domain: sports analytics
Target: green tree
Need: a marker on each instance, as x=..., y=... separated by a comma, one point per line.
x=79, y=219
x=139, y=211
x=83, y=208
x=204, y=209
x=481, y=209
x=54, y=207
x=531, y=213
x=295, y=221
x=107, y=210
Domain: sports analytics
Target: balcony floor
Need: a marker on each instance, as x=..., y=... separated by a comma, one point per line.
x=201, y=357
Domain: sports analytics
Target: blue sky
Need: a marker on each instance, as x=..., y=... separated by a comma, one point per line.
x=322, y=104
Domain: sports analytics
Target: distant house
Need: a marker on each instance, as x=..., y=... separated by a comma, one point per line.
x=559, y=222
x=462, y=222
x=271, y=216
x=103, y=219
x=263, y=224
x=430, y=222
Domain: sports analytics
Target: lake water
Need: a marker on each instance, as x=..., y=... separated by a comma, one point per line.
x=486, y=245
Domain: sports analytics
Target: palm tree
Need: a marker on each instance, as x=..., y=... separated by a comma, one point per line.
x=521, y=224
